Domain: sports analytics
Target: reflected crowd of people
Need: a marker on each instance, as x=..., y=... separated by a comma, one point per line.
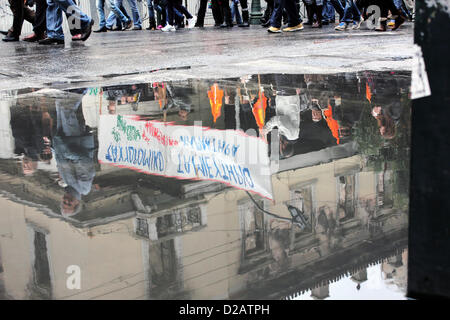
x=171, y=15
x=304, y=113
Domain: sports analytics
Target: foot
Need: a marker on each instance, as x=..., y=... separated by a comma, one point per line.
x=226, y=25
x=87, y=32
x=245, y=24
x=293, y=29
x=34, y=37
x=117, y=29
x=48, y=41
x=357, y=24
x=317, y=25
x=191, y=22
x=136, y=28
x=381, y=27
x=341, y=26
x=274, y=30
x=128, y=25
x=10, y=38
x=76, y=37
x=398, y=22
x=150, y=28
x=159, y=27
x=168, y=28
x=102, y=29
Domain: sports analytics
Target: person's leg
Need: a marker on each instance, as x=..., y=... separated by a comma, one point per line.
x=40, y=26
x=54, y=21
x=337, y=5
x=293, y=13
x=112, y=20
x=318, y=11
x=17, y=8
x=238, y=14
x=217, y=12
x=277, y=14
x=201, y=13
x=245, y=15
x=151, y=15
x=136, y=16
x=225, y=7
x=101, y=13
x=79, y=19
x=118, y=13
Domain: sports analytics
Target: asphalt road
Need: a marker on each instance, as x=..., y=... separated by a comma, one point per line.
x=119, y=57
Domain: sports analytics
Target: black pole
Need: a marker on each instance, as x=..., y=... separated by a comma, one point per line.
x=429, y=229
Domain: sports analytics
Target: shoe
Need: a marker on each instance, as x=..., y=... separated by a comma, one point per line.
x=136, y=28
x=341, y=26
x=274, y=30
x=308, y=23
x=381, y=27
x=10, y=38
x=245, y=24
x=159, y=27
x=48, y=41
x=167, y=28
x=357, y=24
x=292, y=29
x=198, y=25
x=102, y=29
x=150, y=28
x=128, y=25
x=191, y=22
x=226, y=25
x=34, y=37
x=398, y=22
x=317, y=25
x=76, y=37
x=266, y=24
x=117, y=29
x=87, y=32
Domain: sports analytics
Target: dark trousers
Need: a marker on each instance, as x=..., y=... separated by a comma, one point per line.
x=291, y=10
x=269, y=10
x=40, y=22
x=21, y=13
x=244, y=7
x=225, y=11
x=217, y=14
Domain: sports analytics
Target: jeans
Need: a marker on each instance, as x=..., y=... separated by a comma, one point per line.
x=112, y=19
x=337, y=5
x=351, y=12
x=77, y=19
x=292, y=12
x=235, y=12
x=328, y=11
x=117, y=12
x=134, y=11
x=101, y=13
x=151, y=12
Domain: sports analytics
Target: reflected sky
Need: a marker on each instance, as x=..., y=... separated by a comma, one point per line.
x=322, y=211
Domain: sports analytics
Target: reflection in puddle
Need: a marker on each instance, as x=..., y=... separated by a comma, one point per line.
x=266, y=186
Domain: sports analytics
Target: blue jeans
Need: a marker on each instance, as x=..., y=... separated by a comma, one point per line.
x=77, y=19
x=328, y=11
x=235, y=12
x=151, y=12
x=351, y=12
x=134, y=10
x=117, y=12
x=292, y=12
x=337, y=5
x=101, y=13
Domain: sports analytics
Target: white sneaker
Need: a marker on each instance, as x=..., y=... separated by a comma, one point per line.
x=191, y=22
x=173, y=28
x=167, y=28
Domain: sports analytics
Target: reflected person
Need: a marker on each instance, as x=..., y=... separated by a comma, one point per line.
x=74, y=152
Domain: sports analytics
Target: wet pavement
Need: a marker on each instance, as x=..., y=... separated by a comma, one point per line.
x=149, y=56
x=263, y=186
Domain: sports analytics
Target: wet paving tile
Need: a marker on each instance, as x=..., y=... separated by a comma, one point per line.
x=270, y=186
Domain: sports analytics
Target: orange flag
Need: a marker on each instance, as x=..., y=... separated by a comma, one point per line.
x=259, y=110
x=332, y=123
x=215, y=96
x=368, y=93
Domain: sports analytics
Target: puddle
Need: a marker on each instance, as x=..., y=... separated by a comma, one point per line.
x=269, y=186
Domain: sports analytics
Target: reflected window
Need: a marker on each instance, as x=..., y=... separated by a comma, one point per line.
x=41, y=266
x=302, y=199
x=385, y=189
x=163, y=266
x=346, y=197
x=253, y=223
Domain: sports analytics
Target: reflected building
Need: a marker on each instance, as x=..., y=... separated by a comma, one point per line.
x=152, y=237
